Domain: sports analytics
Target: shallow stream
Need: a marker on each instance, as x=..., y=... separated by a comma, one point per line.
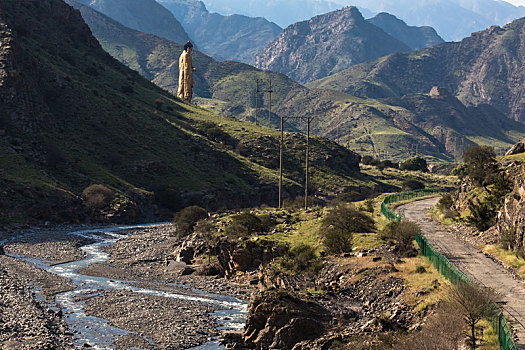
x=97, y=332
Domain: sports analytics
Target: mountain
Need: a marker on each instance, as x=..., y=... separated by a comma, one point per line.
x=434, y=127
x=147, y=16
x=452, y=19
x=73, y=116
x=233, y=37
x=327, y=44
x=485, y=68
x=283, y=13
x=414, y=37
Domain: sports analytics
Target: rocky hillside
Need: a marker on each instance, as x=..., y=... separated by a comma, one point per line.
x=147, y=16
x=74, y=116
x=482, y=69
x=414, y=37
x=233, y=37
x=327, y=44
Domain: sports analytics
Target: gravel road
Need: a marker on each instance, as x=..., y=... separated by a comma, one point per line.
x=473, y=262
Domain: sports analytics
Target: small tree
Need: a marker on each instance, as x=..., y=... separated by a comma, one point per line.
x=412, y=184
x=475, y=304
x=340, y=224
x=185, y=220
x=403, y=233
x=481, y=163
x=482, y=215
x=96, y=197
x=416, y=163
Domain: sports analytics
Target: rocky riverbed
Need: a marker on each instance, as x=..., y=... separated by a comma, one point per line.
x=145, y=305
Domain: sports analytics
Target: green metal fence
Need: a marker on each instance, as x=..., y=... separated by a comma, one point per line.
x=444, y=266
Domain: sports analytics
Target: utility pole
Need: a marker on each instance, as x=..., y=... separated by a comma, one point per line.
x=281, y=164
x=256, y=101
x=270, y=108
x=308, y=120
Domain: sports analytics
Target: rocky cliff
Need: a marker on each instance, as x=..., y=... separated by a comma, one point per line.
x=327, y=44
x=233, y=37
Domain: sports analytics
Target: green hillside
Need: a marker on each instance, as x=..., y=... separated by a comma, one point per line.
x=74, y=116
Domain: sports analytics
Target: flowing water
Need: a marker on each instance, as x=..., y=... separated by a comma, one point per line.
x=97, y=332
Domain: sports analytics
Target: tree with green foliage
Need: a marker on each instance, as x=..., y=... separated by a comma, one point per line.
x=340, y=224
x=482, y=215
x=303, y=258
x=185, y=220
x=481, y=164
x=417, y=164
x=246, y=224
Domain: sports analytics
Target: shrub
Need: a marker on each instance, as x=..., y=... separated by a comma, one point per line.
x=97, y=197
x=298, y=202
x=369, y=205
x=416, y=163
x=367, y=160
x=347, y=219
x=460, y=171
x=246, y=224
x=337, y=241
x=303, y=258
x=482, y=215
x=403, y=233
x=410, y=185
x=506, y=239
x=502, y=187
x=185, y=220
x=446, y=202
x=481, y=163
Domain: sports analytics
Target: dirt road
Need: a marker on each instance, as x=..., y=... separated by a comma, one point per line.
x=472, y=262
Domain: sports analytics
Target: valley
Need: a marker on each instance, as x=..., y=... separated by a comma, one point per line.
x=133, y=219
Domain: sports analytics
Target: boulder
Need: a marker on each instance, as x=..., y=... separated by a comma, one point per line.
x=279, y=320
x=516, y=149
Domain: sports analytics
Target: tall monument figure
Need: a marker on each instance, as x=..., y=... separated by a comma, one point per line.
x=186, y=70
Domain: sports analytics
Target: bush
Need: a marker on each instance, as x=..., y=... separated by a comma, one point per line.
x=97, y=197
x=347, y=219
x=369, y=205
x=367, y=160
x=460, y=171
x=481, y=163
x=185, y=220
x=410, y=185
x=337, y=241
x=416, y=163
x=159, y=103
x=302, y=258
x=446, y=202
x=482, y=215
x=246, y=224
x=298, y=202
x=403, y=233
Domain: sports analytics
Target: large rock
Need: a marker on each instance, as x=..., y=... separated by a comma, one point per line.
x=511, y=218
x=278, y=320
x=516, y=149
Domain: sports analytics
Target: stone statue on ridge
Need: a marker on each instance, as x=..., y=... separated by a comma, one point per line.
x=186, y=70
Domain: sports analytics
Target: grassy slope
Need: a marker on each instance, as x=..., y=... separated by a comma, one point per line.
x=102, y=120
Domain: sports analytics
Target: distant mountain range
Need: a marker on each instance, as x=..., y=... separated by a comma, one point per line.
x=235, y=37
x=452, y=19
x=439, y=127
x=329, y=43
x=147, y=16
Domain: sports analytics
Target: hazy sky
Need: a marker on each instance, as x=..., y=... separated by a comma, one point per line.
x=516, y=2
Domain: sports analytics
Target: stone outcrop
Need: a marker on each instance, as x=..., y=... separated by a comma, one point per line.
x=278, y=320
x=516, y=149
x=511, y=218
